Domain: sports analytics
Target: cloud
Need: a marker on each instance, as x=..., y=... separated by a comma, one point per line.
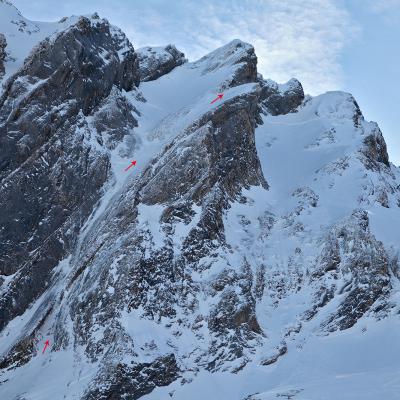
x=301, y=39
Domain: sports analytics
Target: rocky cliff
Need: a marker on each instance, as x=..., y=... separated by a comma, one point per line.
x=251, y=253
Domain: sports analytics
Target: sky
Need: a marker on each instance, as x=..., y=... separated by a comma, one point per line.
x=351, y=45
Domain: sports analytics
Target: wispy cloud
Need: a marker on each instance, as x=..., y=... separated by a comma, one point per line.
x=297, y=38
x=293, y=38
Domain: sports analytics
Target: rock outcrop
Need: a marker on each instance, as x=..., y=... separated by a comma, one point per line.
x=281, y=99
x=158, y=61
x=3, y=45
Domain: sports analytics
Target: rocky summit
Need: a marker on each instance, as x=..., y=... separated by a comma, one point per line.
x=250, y=253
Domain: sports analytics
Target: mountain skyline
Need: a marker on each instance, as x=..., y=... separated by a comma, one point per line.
x=348, y=45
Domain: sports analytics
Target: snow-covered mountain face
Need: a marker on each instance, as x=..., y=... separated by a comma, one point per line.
x=251, y=252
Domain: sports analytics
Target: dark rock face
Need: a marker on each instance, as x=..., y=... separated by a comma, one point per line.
x=233, y=320
x=52, y=164
x=281, y=99
x=375, y=151
x=20, y=354
x=3, y=45
x=248, y=71
x=158, y=61
x=154, y=281
x=306, y=197
x=271, y=360
x=223, y=147
x=236, y=53
x=123, y=381
x=354, y=252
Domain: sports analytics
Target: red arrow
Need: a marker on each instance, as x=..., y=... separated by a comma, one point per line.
x=220, y=96
x=46, y=344
x=131, y=165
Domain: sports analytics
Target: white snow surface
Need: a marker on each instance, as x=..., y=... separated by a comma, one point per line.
x=348, y=365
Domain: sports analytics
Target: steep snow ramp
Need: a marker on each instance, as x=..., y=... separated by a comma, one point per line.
x=177, y=99
x=212, y=144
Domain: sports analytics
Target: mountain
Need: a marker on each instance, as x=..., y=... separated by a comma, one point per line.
x=252, y=253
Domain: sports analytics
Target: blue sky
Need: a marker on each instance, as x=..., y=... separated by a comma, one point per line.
x=351, y=45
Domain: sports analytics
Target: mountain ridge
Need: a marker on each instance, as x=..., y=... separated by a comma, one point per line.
x=251, y=233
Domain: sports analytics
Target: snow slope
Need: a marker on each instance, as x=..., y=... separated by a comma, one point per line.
x=323, y=368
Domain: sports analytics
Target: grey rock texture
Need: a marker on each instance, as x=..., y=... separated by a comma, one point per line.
x=375, y=151
x=353, y=252
x=51, y=169
x=218, y=151
x=158, y=61
x=236, y=53
x=227, y=160
x=281, y=99
x=137, y=381
x=3, y=45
